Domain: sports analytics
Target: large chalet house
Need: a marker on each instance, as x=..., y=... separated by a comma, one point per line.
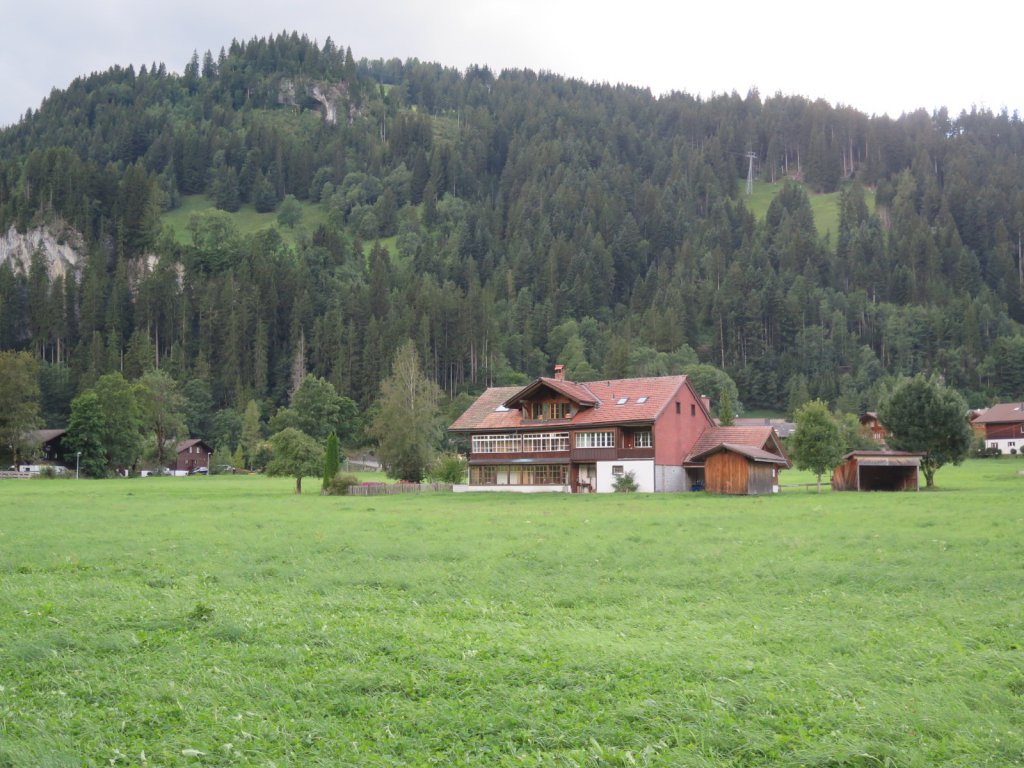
x=1004, y=427
x=579, y=437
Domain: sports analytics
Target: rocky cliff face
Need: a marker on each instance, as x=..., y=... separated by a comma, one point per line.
x=331, y=97
x=62, y=249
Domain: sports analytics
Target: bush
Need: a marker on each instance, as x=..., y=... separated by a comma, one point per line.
x=626, y=483
x=988, y=452
x=449, y=468
x=340, y=484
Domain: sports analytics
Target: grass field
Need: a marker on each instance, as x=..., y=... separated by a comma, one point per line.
x=824, y=207
x=247, y=219
x=224, y=621
x=249, y=222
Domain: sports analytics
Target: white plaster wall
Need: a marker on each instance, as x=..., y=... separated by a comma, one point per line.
x=642, y=469
x=1005, y=444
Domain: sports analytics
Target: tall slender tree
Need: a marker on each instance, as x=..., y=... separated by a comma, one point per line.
x=405, y=425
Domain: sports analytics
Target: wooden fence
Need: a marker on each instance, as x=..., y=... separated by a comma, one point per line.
x=389, y=489
x=18, y=475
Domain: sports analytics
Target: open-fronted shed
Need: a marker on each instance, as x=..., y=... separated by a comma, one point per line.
x=878, y=471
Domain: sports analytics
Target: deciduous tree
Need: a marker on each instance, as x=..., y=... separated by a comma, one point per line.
x=405, y=425
x=923, y=415
x=816, y=444
x=162, y=411
x=85, y=434
x=297, y=455
x=19, y=400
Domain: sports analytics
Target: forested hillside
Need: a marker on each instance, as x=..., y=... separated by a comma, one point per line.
x=503, y=222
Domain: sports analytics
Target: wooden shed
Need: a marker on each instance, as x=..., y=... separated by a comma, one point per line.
x=878, y=471
x=741, y=469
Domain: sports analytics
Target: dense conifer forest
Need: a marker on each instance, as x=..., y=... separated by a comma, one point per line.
x=502, y=222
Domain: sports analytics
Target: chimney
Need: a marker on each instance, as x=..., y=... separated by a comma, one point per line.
x=707, y=402
x=559, y=372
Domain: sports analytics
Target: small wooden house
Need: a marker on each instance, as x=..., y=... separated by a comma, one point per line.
x=192, y=454
x=878, y=471
x=51, y=445
x=737, y=469
x=1004, y=427
x=870, y=426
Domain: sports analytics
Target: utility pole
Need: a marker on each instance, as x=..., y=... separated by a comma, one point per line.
x=750, y=172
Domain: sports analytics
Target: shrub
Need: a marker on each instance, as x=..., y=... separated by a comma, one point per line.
x=340, y=484
x=626, y=483
x=449, y=468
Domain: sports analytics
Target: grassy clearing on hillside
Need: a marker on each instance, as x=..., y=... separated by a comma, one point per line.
x=225, y=621
x=824, y=207
x=247, y=220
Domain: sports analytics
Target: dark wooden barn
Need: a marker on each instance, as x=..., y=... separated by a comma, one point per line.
x=878, y=471
x=736, y=469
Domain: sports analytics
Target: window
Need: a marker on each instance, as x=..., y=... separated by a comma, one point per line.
x=622, y=401
x=618, y=469
x=678, y=407
x=693, y=409
x=642, y=439
x=510, y=443
x=508, y=474
x=595, y=439
x=642, y=399
x=546, y=441
x=543, y=411
x=527, y=443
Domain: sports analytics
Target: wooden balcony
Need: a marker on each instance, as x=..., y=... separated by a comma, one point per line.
x=594, y=454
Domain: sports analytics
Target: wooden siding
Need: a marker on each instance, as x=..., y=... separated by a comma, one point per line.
x=730, y=473
x=851, y=476
x=594, y=454
x=533, y=457
x=1004, y=431
x=726, y=472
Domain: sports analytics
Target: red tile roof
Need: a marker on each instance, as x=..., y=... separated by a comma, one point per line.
x=752, y=437
x=616, y=401
x=1002, y=413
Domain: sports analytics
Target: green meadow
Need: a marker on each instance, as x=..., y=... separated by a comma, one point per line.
x=825, y=207
x=224, y=621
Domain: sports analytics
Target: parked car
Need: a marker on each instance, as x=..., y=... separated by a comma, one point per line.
x=199, y=471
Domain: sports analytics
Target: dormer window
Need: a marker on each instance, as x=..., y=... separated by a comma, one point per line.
x=547, y=410
x=622, y=401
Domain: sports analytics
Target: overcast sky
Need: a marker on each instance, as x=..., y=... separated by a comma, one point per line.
x=878, y=57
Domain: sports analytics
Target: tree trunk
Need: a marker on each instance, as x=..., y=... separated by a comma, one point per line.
x=298, y=484
x=819, y=482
